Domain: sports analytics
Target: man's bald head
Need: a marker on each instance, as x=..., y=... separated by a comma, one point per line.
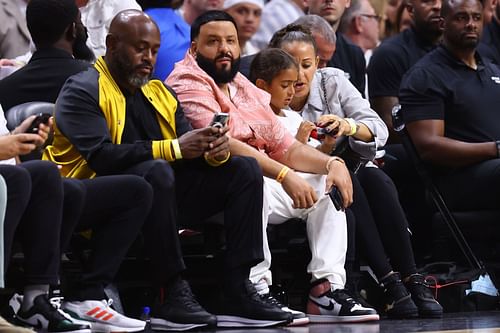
x=131, y=48
x=128, y=21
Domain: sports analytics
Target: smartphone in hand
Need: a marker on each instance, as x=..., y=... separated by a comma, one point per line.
x=220, y=119
x=336, y=197
x=41, y=118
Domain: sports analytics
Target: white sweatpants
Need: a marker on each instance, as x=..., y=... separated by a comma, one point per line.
x=326, y=232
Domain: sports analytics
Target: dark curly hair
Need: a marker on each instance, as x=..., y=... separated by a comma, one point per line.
x=293, y=33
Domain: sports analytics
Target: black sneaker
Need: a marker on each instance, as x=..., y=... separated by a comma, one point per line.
x=398, y=302
x=422, y=295
x=180, y=311
x=336, y=306
x=248, y=309
x=46, y=315
x=299, y=318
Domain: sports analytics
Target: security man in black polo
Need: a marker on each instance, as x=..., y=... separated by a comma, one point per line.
x=450, y=106
x=397, y=54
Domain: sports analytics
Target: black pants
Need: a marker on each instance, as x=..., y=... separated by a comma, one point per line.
x=114, y=210
x=474, y=187
x=190, y=191
x=412, y=196
x=381, y=225
x=33, y=215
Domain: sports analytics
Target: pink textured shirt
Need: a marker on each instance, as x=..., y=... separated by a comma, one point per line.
x=251, y=119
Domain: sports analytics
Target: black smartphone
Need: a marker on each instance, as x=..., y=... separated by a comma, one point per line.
x=336, y=198
x=41, y=118
x=220, y=119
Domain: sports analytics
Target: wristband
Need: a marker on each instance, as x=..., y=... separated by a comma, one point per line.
x=162, y=149
x=281, y=176
x=498, y=148
x=213, y=162
x=331, y=160
x=177, y=149
x=353, y=125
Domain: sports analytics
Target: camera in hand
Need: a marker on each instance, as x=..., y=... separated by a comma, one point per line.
x=220, y=119
x=41, y=118
x=336, y=198
x=320, y=132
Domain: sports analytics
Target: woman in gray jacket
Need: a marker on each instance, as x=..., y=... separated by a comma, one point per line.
x=325, y=98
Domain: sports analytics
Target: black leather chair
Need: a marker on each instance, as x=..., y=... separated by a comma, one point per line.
x=17, y=114
x=480, y=226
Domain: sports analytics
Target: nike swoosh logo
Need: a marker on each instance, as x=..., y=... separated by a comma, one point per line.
x=329, y=306
x=389, y=306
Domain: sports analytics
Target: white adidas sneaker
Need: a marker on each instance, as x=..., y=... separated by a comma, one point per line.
x=102, y=317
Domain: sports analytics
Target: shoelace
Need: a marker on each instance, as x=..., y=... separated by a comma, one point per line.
x=342, y=295
x=269, y=299
x=56, y=304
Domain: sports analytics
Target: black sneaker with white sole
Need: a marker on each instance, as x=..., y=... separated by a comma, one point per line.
x=299, y=318
x=247, y=309
x=180, y=311
x=46, y=315
x=336, y=306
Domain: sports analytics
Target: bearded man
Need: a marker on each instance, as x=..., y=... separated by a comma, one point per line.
x=113, y=119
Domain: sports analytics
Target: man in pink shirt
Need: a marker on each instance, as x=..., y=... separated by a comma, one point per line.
x=207, y=82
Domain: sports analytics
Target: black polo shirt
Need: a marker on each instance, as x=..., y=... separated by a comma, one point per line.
x=442, y=87
x=350, y=58
x=41, y=79
x=489, y=47
x=392, y=59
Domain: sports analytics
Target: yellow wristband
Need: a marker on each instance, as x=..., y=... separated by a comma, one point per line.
x=161, y=149
x=331, y=160
x=177, y=149
x=353, y=125
x=213, y=162
x=281, y=176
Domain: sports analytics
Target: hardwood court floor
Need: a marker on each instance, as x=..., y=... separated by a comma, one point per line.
x=464, y=322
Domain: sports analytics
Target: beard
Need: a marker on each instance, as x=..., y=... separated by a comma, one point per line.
x=80, y=49
x=224, y=75
x=127, y=70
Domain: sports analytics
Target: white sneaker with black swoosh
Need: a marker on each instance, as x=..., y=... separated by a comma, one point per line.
x=335, y=306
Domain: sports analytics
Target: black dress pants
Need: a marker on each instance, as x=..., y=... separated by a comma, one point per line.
x=187, y=193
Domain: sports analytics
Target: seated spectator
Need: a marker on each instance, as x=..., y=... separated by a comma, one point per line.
x=57, y=41
x=97, y=16
x=348, y=56
x=36, y=219
x=136, y=126
x=326, y=98
x=207, y=82
x=246, y=14
x=447, y=102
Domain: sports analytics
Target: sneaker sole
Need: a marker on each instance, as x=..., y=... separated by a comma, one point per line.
x=342, y=319
x=37, y=326
x=159, y=324
x=299, y=322
x=235, y=321
x=107, y=328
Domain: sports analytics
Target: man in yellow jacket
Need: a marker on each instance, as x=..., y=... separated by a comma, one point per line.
x=113, y=119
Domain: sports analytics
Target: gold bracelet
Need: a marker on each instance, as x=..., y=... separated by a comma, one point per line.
x=213, y=162
x=331, y=160
x=177, y=149
x=281, y=176
x=353, y=125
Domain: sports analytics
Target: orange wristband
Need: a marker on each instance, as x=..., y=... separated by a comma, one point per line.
x=283, y=172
